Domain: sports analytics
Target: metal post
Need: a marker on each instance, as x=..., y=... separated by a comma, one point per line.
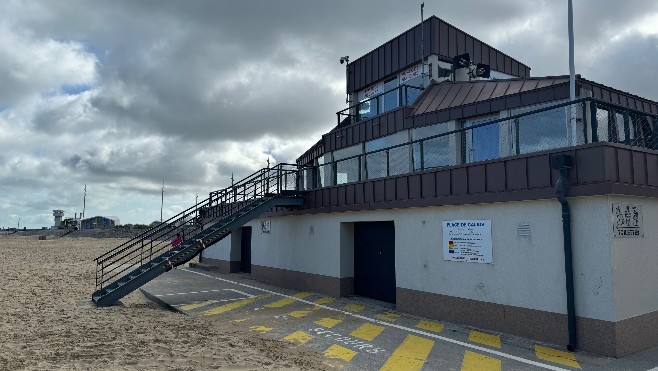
x=572, y=78
x=388, y=165
x=594, y=121
x=585, y=121
x=422, y=155
x=627, y=128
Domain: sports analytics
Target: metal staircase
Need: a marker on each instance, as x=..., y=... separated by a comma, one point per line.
x=143, y=258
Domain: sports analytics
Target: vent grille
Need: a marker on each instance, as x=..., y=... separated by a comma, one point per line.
x=523, y=229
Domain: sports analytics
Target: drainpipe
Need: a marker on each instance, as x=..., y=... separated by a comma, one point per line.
x=563, y=163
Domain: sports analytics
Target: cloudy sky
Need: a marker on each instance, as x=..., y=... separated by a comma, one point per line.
x=119, y=95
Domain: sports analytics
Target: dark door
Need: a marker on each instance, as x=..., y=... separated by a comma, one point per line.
x=245, y=250
x=374, y=260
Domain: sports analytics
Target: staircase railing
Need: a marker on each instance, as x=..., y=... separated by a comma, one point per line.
x=220, y=204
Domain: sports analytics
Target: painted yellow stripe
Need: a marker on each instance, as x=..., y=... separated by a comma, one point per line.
x=410, y=355
x=336, y=351
x=299, y=313
x=430, y=326
x=556, y=356
x=328, y=322
x=260, y=328
x=367, y=331
x=285, y=301
x=478, y=362
x=388, y=316
x=325, y=300
x=486, y=339
x=299, y=337
x=197, y=305
x=234, y=305
x=355, y=307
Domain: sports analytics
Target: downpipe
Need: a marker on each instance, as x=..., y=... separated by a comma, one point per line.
x=563, y=163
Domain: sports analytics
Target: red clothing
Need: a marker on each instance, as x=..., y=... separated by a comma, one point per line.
x=176, y=241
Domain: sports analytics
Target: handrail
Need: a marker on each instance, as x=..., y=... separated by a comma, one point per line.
x=406, y=87
x=595, y=103
x=221, y=204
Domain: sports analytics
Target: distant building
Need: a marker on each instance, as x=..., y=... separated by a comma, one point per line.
x=99, y=222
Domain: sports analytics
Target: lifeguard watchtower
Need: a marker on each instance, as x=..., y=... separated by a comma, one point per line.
x=58, y=214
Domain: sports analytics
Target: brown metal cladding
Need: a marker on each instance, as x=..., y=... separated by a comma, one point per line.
x=439, y=38
x=600, y=169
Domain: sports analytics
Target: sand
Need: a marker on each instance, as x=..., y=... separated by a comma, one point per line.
x=47, y=320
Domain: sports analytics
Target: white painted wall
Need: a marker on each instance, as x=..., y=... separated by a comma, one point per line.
x=527, y=272
x=635, y=262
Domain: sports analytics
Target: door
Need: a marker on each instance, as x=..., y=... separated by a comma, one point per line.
x=374, y=260
x=245, y=250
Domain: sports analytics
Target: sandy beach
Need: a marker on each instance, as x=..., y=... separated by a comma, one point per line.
x=48, y=322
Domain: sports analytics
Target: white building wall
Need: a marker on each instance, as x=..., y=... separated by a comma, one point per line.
x=635, y=262
x=527, y=272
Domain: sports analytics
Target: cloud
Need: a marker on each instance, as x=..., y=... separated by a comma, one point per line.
x=123, y=94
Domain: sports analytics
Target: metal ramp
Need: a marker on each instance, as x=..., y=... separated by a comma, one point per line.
x=132, y=264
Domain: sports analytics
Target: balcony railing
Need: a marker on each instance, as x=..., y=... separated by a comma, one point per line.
x=398, y=97
x=533, y=131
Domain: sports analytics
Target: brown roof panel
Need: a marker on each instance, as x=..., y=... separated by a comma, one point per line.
x=439, y=96
x=461, y=96
x=529, y=85
x=486, y=92
x=474, y=93
x=450, y=96
x=514, y=87
x=500, y=89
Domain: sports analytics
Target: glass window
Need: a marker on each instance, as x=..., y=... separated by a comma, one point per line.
x=348, y=168
x=436, y=152
x=389, y=162
x=412, y=91
x=482, y=143
x=542, y=131
x=389, y=100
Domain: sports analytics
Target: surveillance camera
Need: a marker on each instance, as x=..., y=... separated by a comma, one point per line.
x=344, y=59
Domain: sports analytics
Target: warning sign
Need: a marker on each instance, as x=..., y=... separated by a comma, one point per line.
x=627, y=220
x=467, y=241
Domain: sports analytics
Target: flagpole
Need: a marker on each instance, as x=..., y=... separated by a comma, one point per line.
x=162, y=201
x=572, y=79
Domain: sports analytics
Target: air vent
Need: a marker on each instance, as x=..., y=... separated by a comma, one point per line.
x=523, y=229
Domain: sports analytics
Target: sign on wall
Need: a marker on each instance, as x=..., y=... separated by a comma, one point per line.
x=467, y=241
x=410, y=73
x=627, y=220
x=373, y=90
x=265, y=226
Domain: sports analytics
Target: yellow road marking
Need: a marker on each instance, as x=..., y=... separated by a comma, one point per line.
x=556, y=356
x=388, y=316
x=355, y=307
x=410, y=355
x=325, y=300
x=328, y=322
x=299, y=313
x=486, y=339
x=336, y=351
x=285, y=301
x=260, y=328
x=234, y=305
x=430, y=326
x=478, y=362
x=299, y=337
x=367, y=331
x=197, y=305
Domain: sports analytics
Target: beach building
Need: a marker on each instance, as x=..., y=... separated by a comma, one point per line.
x=458, y=187
x=100, y=222
x=437, y=192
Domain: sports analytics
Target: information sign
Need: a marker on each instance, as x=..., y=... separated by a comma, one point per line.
x=627, y=220
x=467, y=241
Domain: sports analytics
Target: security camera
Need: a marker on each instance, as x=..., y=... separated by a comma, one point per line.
x=345, y=59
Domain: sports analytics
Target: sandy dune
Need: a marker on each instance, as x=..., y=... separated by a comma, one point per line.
x=47, y=321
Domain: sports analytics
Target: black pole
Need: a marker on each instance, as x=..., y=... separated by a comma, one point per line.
x=563, y=164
